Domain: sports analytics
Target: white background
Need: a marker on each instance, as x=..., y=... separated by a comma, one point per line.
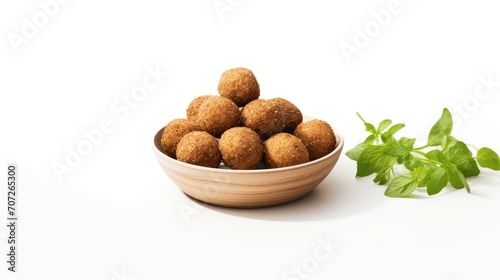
x=116, y=215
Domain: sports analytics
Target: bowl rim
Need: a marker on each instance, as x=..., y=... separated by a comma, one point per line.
x=338, y=148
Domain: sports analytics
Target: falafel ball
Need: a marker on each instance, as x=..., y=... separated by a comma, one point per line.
x=218, y=114
x=241, y=148
x=173, y=132
x=284, y=149
x=194, y=106
x=239, y=85
x=318, y=136
x=292, y=114
x=199, y=148
x=264, y=117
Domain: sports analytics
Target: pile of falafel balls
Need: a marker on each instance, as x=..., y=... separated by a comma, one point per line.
x=241, y=130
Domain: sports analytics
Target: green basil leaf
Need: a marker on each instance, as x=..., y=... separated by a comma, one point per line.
x=457, y=151
x=383, y=177
x=408, y=142
x=401, y=186
x=355, y=152
x=398, y=151
x=373, y=160
x=441, y=129
x=488, y=158
x=370, y=128
x=437, y=155
x=370, y=139
x=383, y=125
x=393, y=129
x=469, y=168
x=456, y=177
x=435, y=180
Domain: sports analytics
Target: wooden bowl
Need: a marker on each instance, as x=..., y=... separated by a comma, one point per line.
x=247, y=188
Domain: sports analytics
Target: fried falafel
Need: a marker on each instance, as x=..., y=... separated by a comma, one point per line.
x=264, y=117
x=241, y=148
x=199, y=148
x=173, y=132
x=292, y=114
x=217, y=114
x=284, y=149
x=194, y=106
x=317, y=136
x=239, y=85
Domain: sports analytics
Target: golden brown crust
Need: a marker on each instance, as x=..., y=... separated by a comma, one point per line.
x=292, y=114
x=173, y=133
x=284, y=149
x=263, y=117
x=239, y=85
x=317, y=136
x=241, y=148
x=194, y=106
x=218, y=114
x=199, y=148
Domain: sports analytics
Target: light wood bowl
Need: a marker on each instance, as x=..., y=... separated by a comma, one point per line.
x=247, y=188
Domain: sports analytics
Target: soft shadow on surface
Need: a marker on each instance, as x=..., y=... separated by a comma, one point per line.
x=486, y=185
x=339, y=195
